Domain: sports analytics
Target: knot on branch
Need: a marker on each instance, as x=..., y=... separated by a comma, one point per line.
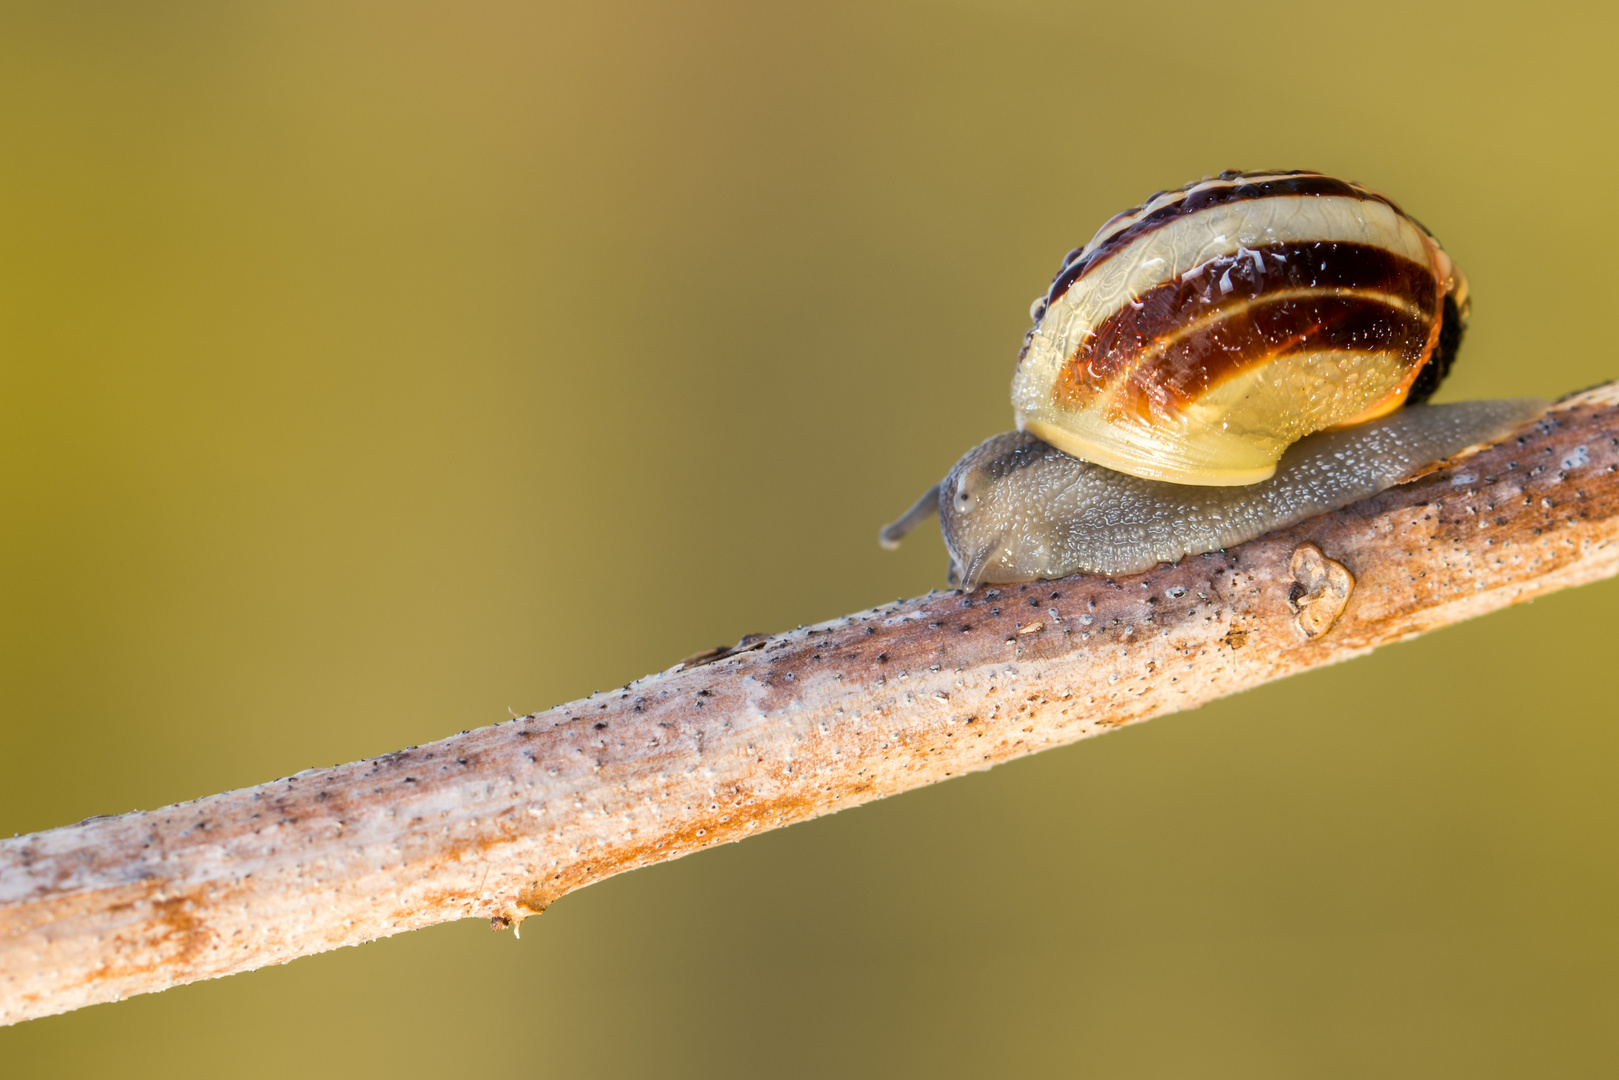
x=1319, y=592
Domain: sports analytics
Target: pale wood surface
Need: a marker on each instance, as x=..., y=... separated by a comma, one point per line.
x=500, y=821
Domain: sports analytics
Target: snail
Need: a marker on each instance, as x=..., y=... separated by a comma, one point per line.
x=1228, y=358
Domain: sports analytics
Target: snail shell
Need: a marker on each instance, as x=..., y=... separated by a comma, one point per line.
x=1197, y=336
x=1016, y=508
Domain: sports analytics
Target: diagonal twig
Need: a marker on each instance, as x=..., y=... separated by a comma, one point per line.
x=501, y=821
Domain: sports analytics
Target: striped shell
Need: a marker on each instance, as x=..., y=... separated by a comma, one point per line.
x=1200, y=334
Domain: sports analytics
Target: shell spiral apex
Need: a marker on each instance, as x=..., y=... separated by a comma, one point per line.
x=1197, y=336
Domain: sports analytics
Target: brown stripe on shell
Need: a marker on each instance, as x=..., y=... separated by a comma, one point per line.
x=1199, y=303
x=1167, y=378
x=1082, y=262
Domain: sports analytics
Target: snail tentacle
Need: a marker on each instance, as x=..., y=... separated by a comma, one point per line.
x=924, y=508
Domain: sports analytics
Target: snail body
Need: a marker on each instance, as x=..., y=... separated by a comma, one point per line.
x=1015, y=508
x=1228, y=358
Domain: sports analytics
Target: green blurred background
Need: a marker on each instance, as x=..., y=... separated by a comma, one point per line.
x=368, y=369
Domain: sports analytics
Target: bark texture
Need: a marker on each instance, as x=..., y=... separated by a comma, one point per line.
x=501, y=821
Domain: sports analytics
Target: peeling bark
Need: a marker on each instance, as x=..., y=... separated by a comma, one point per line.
x=501, y=821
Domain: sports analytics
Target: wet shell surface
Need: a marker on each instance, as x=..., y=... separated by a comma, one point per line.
x=1197, y=336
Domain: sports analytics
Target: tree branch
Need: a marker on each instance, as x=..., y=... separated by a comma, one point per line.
x=501, y=821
